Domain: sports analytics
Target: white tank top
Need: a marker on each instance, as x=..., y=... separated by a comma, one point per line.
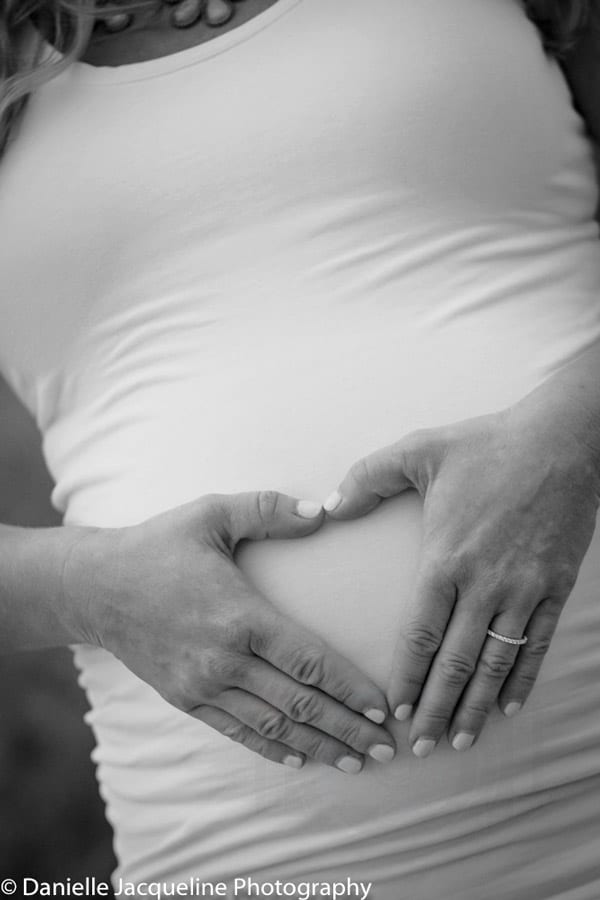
x=247, y=264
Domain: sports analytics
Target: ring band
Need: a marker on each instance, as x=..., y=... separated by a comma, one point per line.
x=505, y=639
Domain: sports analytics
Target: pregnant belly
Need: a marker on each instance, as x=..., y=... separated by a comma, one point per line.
x=186, y=801
x=350, y=583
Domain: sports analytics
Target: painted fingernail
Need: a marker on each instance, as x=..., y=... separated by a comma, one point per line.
x=423, y=747
x=376, y=715
x=296, y=762
x=402, y=712
x=511, y=709
x=332, y=502
x=349, y=764
x=382, y=752
x=463, y=740
x=308, y=509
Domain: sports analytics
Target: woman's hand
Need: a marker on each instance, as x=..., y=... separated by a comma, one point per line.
x=510, y=502
x=167, y=599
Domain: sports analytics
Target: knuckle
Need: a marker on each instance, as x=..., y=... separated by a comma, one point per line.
x=210, y=501
x=539, y=581
x=414, y=441
x=210, y=508
x=447, y=567
x=436, y=718
x=438, y=560
x=525, y=681
x=538, y=647
x=550, y=609
x=411, y=454
x=308, y=666
x=350, y=734
x=231, y=670
x=414, y=683
x=259, y=639
x=315, y=747
x=360, y=471
x=421, y=640
x=273, y=725
x=462, y=566
x=236, y=631
x=478, y=709
x=215, y=667
x=305, y=707
x=178, y=697
x=495, y=665
x=532, y=580
x=341, y=690
x=235, y=731
x=456, y=669
x=267, y=504
x=185, y=691
x=563, y=581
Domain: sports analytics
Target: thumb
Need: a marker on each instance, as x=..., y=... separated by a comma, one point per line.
x=384, y=473
x=256, y=515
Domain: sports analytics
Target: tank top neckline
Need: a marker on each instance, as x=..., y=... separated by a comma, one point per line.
x=181, y=59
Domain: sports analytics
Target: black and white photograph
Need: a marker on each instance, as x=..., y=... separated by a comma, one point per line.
x=300, y=449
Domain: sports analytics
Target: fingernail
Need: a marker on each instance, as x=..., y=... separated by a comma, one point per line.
x=511, y=709
x=382, y=752
x=332, y=501
x=463, y=740
x=296, y=762
x=349, y=764
x=308, y=509
x=423, y=747
x=376, y=715
x=402, y=712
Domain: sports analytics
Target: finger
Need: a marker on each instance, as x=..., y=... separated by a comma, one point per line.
x=384, y=473
x=540, y=630
x=273, y=725
x=257, y=515
x=237, y=731
x=310, y=706
x=299, y=653
x=495, y=663
x=420, y=639
x=452, y=668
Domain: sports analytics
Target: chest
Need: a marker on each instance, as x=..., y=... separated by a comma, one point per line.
x=322, y=147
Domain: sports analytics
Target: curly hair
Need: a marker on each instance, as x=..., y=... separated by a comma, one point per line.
x=70, y=22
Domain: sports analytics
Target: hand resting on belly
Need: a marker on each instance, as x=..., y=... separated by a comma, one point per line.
x=166, y=598
x=510, y=503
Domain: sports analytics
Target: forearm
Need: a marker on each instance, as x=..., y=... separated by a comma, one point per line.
x=569, y=401
x=35, y=611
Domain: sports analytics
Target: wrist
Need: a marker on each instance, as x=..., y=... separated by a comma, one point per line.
x=565, y=409
x=35, y=612
x=84, y=583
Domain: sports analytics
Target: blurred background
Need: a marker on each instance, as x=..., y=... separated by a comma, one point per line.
x=52, y=822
